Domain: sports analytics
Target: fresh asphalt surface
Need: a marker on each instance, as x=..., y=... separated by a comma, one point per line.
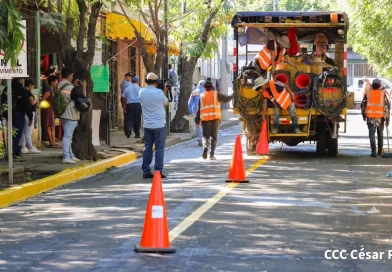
x=296, y=207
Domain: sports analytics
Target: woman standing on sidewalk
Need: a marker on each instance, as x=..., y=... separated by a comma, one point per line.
x=48, y=114
x=28, y=129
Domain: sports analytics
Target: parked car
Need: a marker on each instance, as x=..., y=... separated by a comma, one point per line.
x=357, y=87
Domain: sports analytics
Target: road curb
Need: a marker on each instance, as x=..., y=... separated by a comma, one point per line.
x=17, y=194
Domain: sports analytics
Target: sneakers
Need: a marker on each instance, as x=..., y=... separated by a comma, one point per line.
x=373, y=154
x=212, y=157
x=75, y=159
x=163, y=175
x=69, y=161
x=34, y=150
x=297, y=131
x=380, y=152
x=148, y=175
x=24, y=150
x=200, y=143
x=205, y=151
x=274, y=131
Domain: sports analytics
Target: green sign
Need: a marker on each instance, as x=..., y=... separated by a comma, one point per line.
x=100, y=76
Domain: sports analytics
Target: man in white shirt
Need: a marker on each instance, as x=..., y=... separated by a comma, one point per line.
x=153, y=101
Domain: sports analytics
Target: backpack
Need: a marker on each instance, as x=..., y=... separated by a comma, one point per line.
x=58, y=102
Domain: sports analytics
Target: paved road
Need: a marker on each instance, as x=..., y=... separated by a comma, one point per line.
x=296, y=207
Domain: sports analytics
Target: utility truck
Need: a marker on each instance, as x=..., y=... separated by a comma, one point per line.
x=321, y=96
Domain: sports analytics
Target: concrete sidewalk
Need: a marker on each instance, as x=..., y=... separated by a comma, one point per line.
x=37, y=173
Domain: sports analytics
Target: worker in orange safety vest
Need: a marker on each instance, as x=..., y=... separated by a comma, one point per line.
x=376, y=111
x=209, y=114
x=282, y=97
x=273, y=53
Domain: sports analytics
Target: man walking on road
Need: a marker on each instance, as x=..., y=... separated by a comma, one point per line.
x=153, y=101
x=132, y=108
x=125, y=84
x=375, y=109
x=209, y=113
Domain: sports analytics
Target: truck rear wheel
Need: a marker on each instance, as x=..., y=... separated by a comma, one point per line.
x=332, y=146
x=321, y=146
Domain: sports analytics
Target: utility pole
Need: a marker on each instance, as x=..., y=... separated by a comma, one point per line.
x=274, y=4
x=38, y=68
x=224, y=76
x=165, y=66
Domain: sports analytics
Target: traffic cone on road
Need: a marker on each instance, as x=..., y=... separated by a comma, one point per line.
x=262, y=145
x=237, y=167
x=155, y=236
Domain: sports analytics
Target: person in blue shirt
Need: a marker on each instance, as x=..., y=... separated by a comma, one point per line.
x=193, y=105
x=153, y=101
x=125, y=84
x=132, y=108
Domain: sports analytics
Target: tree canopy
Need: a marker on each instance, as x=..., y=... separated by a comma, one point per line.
x=11, y=35
x=370, y=32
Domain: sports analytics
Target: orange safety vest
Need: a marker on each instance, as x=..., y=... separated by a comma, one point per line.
x=283, y=98
x=210, y=106
x=375, y=104
x=264, y=56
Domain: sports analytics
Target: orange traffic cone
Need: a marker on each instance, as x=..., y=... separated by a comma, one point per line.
x=262, y=145
x=155, y=236
x=237, y=167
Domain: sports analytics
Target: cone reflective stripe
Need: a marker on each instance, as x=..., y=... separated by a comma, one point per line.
x=155, y=236
x=262, y=145
x=237, y=167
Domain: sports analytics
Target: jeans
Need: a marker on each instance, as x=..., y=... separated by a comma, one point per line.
x=199, y=132
x=125, y=123
x=372, y=136
x=18, y=123
x=134, y=117
x=68, y=129
x=292, y=112
x=27, y=131
x=153, y=136
x=210, y=130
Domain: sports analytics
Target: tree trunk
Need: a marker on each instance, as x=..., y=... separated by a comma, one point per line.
x=82, y=145
x=80, y=61
x=179, y=124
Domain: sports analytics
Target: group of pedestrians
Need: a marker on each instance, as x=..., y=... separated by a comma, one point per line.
x=23, y=113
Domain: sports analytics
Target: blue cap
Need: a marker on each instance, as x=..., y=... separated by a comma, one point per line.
x=135, y=79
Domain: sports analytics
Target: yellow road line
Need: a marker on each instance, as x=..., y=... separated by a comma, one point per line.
x=184, y=225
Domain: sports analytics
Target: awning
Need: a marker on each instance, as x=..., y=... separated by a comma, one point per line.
x=118, y=27
x=174, y=46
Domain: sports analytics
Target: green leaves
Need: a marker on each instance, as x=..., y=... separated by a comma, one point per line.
x=370, y=32
x=11, y=35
